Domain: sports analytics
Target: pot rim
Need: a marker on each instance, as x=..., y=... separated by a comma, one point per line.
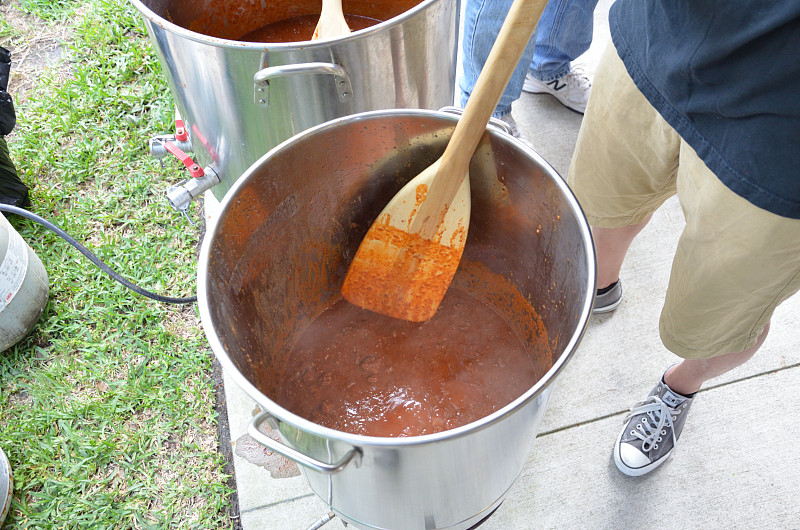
x=277, y=46
x=284, y=415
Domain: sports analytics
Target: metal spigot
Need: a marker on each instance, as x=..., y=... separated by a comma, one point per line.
x=181, y=195
x=180, y=139
x=158, y=147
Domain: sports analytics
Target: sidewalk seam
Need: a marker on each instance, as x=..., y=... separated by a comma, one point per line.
x=714, y=387
x=273, y=504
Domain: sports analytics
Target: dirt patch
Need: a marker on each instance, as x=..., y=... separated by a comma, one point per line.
x=278, y=466
x=36, y=48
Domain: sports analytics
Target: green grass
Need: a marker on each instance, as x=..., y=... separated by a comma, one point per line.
x=7, y=32
x=107, y=407
x=51, y=10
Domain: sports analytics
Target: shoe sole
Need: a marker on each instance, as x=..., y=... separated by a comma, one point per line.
x=566, y=106
x=530, y=90
x=606, y=309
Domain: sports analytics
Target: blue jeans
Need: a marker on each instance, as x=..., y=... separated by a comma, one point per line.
x=563, y=33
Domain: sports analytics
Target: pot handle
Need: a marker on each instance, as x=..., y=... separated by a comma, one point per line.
x=341, y=78
x=293, y=454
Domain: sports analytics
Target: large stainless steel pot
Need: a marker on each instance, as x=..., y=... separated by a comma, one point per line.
x=240, y=99
x=276, y=256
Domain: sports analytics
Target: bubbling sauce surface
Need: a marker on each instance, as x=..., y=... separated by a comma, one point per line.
x=360, y=372
x=300, y=28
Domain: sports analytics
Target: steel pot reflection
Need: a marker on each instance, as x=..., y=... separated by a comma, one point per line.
x=276, y=256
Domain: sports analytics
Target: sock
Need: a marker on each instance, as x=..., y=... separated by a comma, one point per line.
x=604, y=290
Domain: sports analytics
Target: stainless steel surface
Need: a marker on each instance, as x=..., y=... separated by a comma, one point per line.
x=341, y=80
x=288, y=452
x=495, y=123
x=277, y=253
x=240, y=99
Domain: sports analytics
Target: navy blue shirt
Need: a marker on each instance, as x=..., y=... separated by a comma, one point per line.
x=726, y=75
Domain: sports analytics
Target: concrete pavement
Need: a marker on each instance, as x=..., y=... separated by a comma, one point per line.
x=737, y=464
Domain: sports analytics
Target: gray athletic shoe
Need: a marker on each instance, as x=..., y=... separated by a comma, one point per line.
x=651, y=431
x=6, y=486
x=608, y=301
x=509, y=120
x=512, y=124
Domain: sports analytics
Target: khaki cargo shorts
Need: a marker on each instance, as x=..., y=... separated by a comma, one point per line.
x=734, y=263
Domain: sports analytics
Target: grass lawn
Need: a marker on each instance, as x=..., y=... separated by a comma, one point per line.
x=107, y=407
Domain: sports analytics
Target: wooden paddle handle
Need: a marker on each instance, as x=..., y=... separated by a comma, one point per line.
x=331, y=22
x=332, y=8
x=503, y=58
x=453, y=165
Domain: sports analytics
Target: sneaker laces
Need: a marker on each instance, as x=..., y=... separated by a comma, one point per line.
x=576, y=75
x=657, y=415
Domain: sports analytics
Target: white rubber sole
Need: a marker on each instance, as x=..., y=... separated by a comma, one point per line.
x=606, y=309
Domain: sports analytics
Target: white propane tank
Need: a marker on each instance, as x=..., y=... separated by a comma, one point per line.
x=6, y=486
x=24, y=286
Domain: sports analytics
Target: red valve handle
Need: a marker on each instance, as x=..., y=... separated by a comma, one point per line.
x=194, y=170
x=181, y=134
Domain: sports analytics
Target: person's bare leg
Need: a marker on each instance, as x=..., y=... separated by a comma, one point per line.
x=688, y=376
x=611, y=245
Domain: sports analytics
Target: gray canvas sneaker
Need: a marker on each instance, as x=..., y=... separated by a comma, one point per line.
x=6, y=486
x=651, y=431
x=608, y=300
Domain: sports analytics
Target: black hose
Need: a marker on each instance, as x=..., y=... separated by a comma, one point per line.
x=94, y=259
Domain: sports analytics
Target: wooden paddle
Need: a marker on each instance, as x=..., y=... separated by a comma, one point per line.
x=331, y=21
x=410, y=254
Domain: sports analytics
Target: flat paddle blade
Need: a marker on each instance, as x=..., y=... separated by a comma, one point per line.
x=404, y=264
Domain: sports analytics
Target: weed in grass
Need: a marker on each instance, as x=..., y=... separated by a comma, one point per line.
x=107, y=408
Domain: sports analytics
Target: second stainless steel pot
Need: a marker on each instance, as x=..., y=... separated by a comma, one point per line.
x=240, y=99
